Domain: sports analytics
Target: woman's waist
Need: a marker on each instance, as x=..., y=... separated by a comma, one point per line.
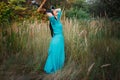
x=61, y=34
x=58, y=33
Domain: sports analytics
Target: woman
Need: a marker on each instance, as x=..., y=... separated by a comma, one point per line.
x=56, y=54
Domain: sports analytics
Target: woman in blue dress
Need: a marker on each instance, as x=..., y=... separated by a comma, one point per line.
x=56, y=53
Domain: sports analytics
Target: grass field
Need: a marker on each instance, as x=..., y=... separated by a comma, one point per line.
x=92, y=50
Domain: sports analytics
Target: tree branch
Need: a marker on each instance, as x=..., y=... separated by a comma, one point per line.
x=40, y=8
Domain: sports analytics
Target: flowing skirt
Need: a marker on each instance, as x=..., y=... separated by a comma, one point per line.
x=56, y=54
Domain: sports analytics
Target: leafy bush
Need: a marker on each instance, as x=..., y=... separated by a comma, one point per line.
x=78, y=9
x=5, y=13
x=103, y=8
x=78, y=13
x=17, y=10
x=10, y=11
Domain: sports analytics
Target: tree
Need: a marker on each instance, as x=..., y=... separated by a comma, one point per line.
x=110, y=8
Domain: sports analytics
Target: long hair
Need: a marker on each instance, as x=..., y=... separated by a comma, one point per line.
x=51, y=29
x=50, y=26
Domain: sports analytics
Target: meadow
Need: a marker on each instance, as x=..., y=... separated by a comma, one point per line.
x=92, y=49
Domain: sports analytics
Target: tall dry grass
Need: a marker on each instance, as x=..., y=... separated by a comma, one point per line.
x=91, y=47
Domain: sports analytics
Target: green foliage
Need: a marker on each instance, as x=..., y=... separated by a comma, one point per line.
x=78, y=3
x=17, y=10
x=109, y=8
x=9, y=11
x=17, y=4
x=6, y=13
x=16, y=1
x=77, y=13
x=78, y=9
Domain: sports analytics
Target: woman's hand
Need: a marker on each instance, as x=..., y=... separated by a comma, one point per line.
x=55, y=12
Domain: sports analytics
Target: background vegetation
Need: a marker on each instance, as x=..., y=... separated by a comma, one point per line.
x=92, y=40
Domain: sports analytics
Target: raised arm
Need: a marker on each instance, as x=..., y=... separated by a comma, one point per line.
x=50, y=14
x=58, y=9
x=59, y=13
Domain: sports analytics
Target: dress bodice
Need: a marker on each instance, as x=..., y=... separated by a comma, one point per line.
x=56, y=24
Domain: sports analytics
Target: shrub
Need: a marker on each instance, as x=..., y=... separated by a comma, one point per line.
x=6, y=13
x=78, y=9
x=78, y=13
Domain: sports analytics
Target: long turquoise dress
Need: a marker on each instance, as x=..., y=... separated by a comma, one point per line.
x=56, y=54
